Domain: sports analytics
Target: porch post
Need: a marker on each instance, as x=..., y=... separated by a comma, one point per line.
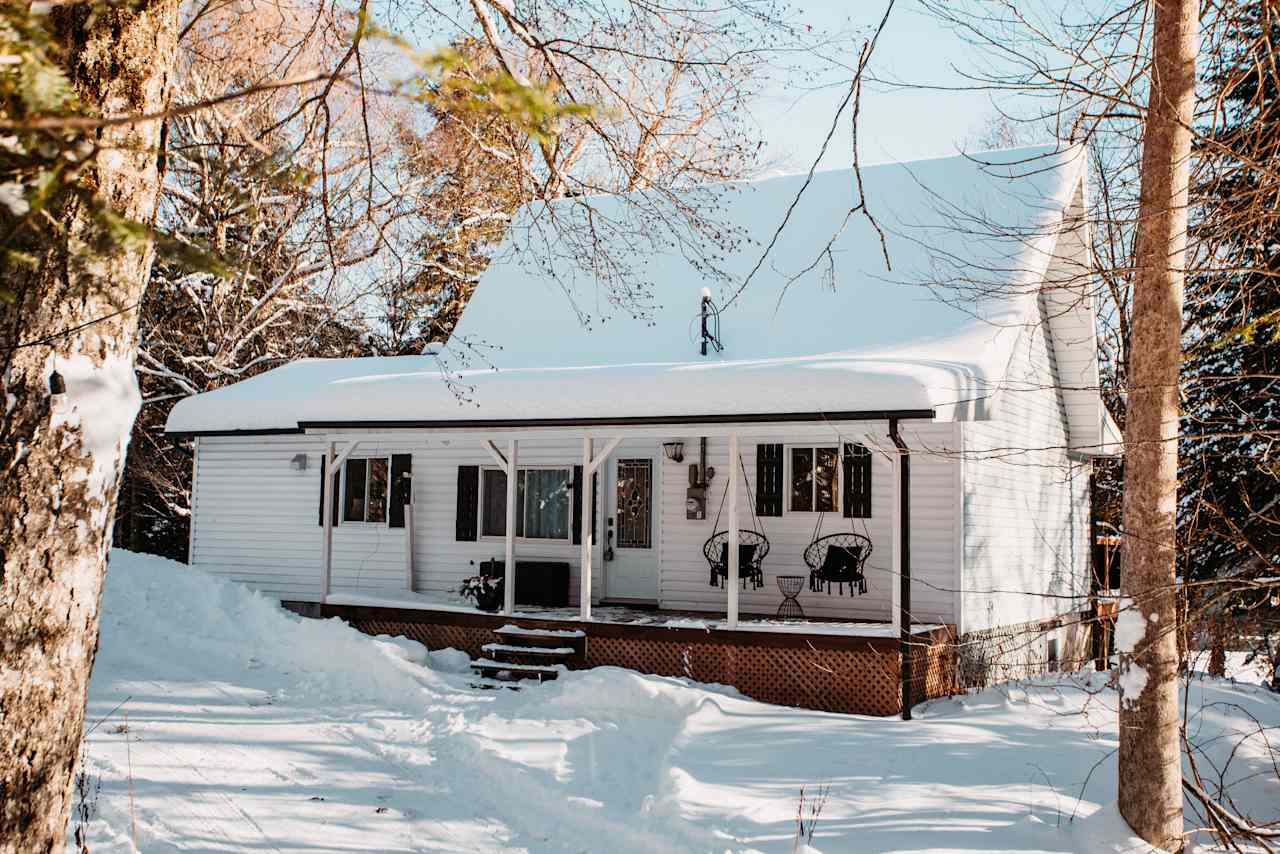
x=588, y=501
x=326, y=513
x=509, y=574
x=731, y=580
x=902, y=557
x=408, y=547
x=334, y=465
x=895, y=523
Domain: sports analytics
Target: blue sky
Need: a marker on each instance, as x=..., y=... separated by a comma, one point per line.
x=895, y=124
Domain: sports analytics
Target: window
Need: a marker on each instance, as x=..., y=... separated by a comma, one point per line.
x=365, y=490
x=493, y=504
x=815, y=479
x=543, y=503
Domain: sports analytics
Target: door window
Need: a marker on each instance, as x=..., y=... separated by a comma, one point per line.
x=635, y=504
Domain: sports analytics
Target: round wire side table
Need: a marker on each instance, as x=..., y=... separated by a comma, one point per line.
x=790, y=587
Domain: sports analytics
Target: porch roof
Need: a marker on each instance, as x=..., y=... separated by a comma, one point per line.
x=409, y=391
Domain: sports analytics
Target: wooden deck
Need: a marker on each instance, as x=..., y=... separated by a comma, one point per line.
x=817, y=664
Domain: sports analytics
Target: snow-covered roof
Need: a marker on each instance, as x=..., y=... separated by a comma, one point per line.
x=812, y=333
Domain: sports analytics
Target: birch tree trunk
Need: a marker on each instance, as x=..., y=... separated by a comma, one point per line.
x=66, y=366
x=1150, y=792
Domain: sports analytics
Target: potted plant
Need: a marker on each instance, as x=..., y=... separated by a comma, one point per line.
x=485, y=590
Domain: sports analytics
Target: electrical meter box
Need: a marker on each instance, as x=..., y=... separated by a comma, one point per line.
x=695, y=502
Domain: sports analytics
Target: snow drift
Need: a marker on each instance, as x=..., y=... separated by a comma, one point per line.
x=219, y=722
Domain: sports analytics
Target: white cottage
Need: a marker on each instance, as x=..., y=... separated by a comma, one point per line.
x=942, y=445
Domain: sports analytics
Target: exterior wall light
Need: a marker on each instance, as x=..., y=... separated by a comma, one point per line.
x=299, y=462
x=674, y=451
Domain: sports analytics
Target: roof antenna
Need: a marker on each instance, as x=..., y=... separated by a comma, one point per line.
x=710, y=323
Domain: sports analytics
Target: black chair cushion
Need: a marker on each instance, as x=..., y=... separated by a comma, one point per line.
x=746, y=554
x=841, y=563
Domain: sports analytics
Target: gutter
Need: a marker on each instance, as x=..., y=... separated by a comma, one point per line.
x=623, y=421
x=904, y=580
x=178, y=435
x=627, y=421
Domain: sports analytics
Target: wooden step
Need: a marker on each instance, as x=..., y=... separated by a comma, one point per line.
x=494, y=685
x=513, y=635
x=521, y=649
x=504, y=670
x=519, y=654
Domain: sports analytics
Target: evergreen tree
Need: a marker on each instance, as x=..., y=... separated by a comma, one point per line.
x=1230, y=508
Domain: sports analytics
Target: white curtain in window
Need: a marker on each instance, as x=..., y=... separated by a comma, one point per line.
x=546, y=503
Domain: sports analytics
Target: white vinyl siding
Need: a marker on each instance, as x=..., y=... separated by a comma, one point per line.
x=934, y=528
x=257, y=520
x=1026, y=500
x=254, y=518
x=245, y=486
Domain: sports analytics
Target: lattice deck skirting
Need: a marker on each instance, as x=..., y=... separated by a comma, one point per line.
x=835, y=673
x=1022, y=651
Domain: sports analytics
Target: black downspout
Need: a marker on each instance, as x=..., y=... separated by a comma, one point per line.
x=904, y=582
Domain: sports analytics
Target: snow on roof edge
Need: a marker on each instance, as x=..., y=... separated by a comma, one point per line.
x=207, y=412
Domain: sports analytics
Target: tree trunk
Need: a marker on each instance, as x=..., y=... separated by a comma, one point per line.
x=66, y=365
x=1217, y=647
x=1150, y=792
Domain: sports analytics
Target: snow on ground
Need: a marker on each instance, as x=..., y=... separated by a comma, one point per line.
x=219, y=722
x=1242, y=666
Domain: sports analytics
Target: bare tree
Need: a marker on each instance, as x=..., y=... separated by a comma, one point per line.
x=283, y=203
x=464, y=176
x=671, y=87
x=1150, y=747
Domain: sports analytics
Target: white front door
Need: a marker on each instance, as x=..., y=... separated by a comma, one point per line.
x=631, y=530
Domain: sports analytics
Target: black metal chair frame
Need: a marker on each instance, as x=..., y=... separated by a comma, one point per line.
x=716, y=551
x=815, y=556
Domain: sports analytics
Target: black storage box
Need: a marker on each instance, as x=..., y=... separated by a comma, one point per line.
x=538, y=582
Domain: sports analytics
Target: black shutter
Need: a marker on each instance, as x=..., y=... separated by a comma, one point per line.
x=595, y=505
x=857, y=481
x=468, y=495
x=401, y=488
x=577, y=503
x=337, y=499
x=768, y=480
x=866, y=481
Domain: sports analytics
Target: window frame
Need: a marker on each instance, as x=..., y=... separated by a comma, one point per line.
x=813, y=488
x=480, y=503
x=342, y=493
